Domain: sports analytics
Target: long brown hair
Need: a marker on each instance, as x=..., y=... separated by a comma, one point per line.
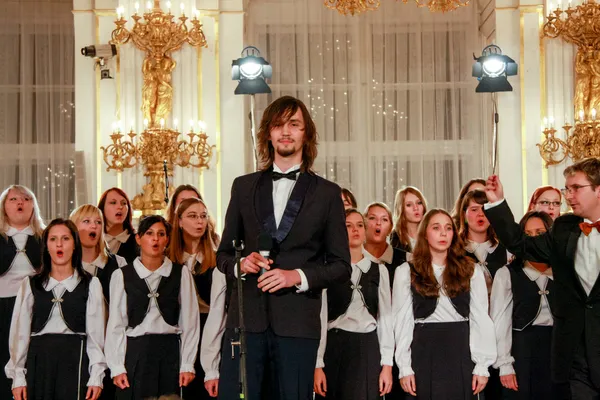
x=177, y=246
x=400, y=221
x=461, y=196
x=128, y=222
x=170, y=212
x=479, y=197
x=459, y=267
x=277, y=114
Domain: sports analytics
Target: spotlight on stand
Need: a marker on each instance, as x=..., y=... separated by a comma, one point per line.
x=492, y=70
x=251, y=70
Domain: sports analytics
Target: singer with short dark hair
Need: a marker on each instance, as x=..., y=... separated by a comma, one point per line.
x=304, y=216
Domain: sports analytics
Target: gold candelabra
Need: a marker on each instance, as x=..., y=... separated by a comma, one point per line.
x=151, y=148
x=158, y=35
x=583, y=142
x=579, y=26
x=352, y=7
x=440, y=5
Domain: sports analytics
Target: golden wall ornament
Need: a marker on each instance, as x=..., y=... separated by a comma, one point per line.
x=158, y=35
x=352, y=7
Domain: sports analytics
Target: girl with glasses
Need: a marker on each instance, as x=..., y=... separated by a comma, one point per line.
x=547, y=199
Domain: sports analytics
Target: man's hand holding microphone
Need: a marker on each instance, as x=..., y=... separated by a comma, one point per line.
x=259, y=263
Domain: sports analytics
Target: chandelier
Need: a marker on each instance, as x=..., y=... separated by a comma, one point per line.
x=440, y=5
x=352, y=7
x=157, y=34
x=579, y=26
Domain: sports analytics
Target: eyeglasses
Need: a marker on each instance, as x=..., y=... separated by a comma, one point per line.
x=572, y=189
x=547, y=203
x=194, y=217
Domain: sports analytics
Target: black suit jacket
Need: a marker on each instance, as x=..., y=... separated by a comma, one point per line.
x=312, y=236
x=576, y=315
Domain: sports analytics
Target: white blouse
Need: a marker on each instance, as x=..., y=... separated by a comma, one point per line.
x=358, y=319
x=210, y=349
x=20, y=328
x=21, y=267
x=118, y=331
x=114, y=242
x=99, y=263
x=481, y=328
x=501, y=309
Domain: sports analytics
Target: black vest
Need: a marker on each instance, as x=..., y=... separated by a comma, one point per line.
x=8, y=252
x=423, y=306
x=527, y=296
x=129, y=250
x=72, y=305
x=398, y=259
x=104, y=274
x=203, y=283
x=339, y=296
x=138, y=296
x=494, y=261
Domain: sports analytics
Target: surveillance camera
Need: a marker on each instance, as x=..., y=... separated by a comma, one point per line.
x=106, y=51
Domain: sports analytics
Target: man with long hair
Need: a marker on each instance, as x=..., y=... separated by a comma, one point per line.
x=304, y=215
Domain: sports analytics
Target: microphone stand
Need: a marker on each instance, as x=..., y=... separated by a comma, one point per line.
x=166, y=182
x=241, y=329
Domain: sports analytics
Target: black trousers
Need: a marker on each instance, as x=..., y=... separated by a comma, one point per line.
x=6, y=309
x=152, y=364
x=580, y=384
x=57, y=367
x=291, y=362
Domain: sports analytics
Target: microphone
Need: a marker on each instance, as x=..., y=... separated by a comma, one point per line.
x=166, y=182
x=265, y=245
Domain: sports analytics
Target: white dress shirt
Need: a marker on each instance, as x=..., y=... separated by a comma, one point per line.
x=282, y=190
x=501, y=310
x=99, y=263
x=117, y=330
x=114, y=242
x=482, y=341
x=587, y=254
x=190, y=260
x=386, y=257
x=210, y=349
x=21, y=267
x=20, y=328
x=357, y=317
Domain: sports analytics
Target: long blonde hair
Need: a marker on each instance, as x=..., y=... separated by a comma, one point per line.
x=400, y=221
x=90, y=210
x=177, y=245
x=36, y=222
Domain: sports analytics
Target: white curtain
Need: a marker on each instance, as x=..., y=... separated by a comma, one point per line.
x=390, y=90
x=36, y=101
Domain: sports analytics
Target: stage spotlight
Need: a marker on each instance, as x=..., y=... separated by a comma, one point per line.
x=492, y=68
x=251, y=70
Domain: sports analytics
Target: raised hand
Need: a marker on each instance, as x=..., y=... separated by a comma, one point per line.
x=493, y=189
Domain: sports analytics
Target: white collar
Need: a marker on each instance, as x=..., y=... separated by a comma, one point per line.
x=533, y=273
x=69, y=283
x=121, y=237
x=364, y=265
x=292, y=168
x=164, y=270
x=14, y=231
x=437, y=268
x=98, y=262
x=472, y=246
x=386, y=257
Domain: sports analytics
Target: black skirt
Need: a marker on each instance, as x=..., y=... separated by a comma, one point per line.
x=152, y=364
x=441, y=360
x=6, y=310
x=531, y=351
x=352, y=365
x=57, y=367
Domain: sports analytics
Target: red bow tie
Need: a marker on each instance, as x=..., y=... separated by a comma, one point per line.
x=586, y=227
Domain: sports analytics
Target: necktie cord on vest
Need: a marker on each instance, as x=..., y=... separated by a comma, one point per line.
x=290, y=175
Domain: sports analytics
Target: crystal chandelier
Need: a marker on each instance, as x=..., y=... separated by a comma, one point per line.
x=352, y=7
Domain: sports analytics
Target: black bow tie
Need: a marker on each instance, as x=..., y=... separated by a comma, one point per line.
x=290, y=175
